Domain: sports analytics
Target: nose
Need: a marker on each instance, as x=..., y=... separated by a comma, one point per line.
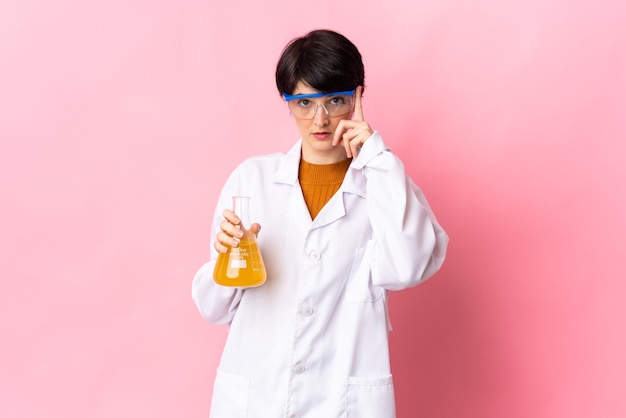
x=321, y=115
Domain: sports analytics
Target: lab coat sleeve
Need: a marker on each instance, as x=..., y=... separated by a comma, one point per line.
x=217, y=304
x=408, y=244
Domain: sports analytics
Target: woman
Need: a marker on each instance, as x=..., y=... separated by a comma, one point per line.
x=342, y=225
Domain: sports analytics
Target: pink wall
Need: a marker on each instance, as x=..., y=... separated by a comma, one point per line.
x=119, y=121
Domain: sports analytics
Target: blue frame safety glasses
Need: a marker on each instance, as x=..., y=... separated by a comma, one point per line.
x=334, y=104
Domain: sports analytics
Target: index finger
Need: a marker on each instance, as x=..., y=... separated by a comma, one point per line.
x=358, y=105
x=230, y=216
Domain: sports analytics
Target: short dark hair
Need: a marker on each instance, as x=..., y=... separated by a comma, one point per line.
x=324, y=60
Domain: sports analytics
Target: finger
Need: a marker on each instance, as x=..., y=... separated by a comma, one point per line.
x=355, y=146
x=343, y=128
x=358, y=105
x=219, y=247
x=232, y=231
x=347, y=135
x=229, y=235
x=339, y=132
x=349, y=141
x=230, y=216
x=344, y=136
x=223, y=242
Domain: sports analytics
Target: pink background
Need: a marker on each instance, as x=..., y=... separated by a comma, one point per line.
x=119, y=121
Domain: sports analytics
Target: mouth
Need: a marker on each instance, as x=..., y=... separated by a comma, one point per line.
x=321, y=135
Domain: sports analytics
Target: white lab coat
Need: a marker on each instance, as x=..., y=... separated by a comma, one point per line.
x=312, y=341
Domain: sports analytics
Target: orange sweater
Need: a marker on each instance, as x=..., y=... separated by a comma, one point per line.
x=320, y=182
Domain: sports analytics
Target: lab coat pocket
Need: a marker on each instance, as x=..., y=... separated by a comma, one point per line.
x=359, y=287
x=230, y=396
x=370, y=397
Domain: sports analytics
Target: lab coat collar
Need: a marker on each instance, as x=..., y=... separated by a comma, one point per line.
x=287, y=173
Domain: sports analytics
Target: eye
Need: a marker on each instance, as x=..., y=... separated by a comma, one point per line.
x=337, y=100
x=304, y=103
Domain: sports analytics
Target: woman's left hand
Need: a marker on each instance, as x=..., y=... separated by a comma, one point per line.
x=353, y=132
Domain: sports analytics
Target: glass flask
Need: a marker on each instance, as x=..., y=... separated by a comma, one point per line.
x=241, y=266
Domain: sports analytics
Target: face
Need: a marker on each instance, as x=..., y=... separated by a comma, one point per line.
x=317, y=133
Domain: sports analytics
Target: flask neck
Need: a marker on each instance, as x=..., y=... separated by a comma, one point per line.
x=241, y=207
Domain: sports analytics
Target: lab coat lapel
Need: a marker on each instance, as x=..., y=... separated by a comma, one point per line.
x=295, y=208
x=353, y=183
x=333, y=210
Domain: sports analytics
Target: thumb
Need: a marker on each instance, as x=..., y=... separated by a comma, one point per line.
x=256, y=228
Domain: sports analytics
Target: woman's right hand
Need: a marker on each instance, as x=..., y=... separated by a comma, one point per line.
x=231, y=231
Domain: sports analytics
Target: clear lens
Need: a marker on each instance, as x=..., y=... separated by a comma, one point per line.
x=333, y=105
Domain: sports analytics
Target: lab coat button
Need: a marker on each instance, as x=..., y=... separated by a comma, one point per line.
x=307, y=311
x=315, y=256
x=299, y=369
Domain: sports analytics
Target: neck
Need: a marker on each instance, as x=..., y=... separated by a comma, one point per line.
x=334, y=155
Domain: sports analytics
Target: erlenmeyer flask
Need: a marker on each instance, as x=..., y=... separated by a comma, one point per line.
x=241, y=266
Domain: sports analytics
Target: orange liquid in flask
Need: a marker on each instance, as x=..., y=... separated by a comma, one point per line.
x=241, y=266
